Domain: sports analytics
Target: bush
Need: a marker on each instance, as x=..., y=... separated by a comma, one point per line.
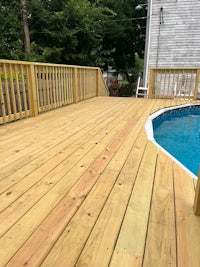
x=126, y=90
x=114, y=90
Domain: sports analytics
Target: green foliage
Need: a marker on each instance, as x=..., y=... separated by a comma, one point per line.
x=126, y=34
x=114, y=90
x=11, y=31
x=126, y=90
x=67, y=32
x=83, y=32
x=10, y=78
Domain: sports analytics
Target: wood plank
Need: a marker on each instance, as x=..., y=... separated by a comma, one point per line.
x=90, y=134
x=24, y=95
x=86, y=183
x=61, y=132
x=12, y=91
x=18, y=98
x=68, y=158
x=197, y=197
x=195, y=183
x=85, y=217
x=160, y=247
x=71, y=120
x=88, y=202
x=49, y=140
x=121, y=155
x=187, y=224
x=58, y=254
x=75, y=85
x=125, y=259
x=2, y=103
x=137, y=214
x=103, y=237
x=8, y=102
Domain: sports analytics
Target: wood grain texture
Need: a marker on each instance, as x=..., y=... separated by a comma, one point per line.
x=82, y=186
x=161, y=236
x=136, y=218
x=187, y=224
x=197, y=197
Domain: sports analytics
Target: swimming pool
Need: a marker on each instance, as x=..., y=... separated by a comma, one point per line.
x=177, y=131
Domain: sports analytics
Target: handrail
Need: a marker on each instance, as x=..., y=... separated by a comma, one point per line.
x=174, y=83
x=29, y=88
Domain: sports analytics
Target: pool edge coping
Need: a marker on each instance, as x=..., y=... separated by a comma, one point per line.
x=150, y=134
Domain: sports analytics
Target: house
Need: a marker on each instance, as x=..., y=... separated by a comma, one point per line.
x=172, y=35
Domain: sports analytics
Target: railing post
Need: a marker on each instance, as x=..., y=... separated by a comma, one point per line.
x=151, y=84
x=197, y=197
x=97, y=82
x=75, y=85
x=32, y=91
x=196, y=84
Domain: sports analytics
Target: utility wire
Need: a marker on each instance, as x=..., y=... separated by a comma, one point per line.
x=51, y=32
x=129, y=19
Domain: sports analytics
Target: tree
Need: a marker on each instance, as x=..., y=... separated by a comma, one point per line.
x=125, y=36
x=11, y=33
x=83, y=32
x=26, y=28
x=68, y=32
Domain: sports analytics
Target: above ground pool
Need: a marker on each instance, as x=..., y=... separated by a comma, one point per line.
x=177, y=131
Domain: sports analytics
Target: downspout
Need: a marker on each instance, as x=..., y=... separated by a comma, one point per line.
x=158, y=45
x=147, y=43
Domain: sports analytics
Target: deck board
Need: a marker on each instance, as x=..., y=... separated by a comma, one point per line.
x=161, y=238
x=82, y=186
x=136, y=218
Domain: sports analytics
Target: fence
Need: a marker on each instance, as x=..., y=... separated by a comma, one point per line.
x=27, y=89
x=174, y=83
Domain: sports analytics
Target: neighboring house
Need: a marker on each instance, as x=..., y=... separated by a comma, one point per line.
x=173, y=35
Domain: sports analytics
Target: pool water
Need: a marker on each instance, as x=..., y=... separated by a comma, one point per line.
x=178, y=132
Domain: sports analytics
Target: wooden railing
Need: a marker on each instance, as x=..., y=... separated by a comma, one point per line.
x=197, y=197
x=27, y=89
x=174, y=83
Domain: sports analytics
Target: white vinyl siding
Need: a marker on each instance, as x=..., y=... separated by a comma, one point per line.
x=176, y=41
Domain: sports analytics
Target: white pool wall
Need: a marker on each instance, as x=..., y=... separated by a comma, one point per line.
x=150, y=134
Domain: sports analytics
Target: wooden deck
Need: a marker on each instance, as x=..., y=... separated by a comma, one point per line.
x=82, y=186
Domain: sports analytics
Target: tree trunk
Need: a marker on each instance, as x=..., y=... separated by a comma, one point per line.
x=26, y=28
